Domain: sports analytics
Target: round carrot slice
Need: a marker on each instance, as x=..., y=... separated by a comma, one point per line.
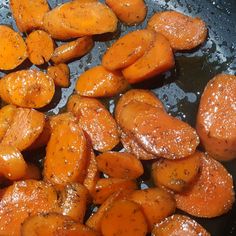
x=211, y=194
x=124, y=218
x=128, y=49
x=176, y=175
x=216, y=120
x=40, y=47
x=12, y=48
x=99, y=82
x=120, y=165
x=27, y=88
x=158, y=59
x=179, y=225
x=183, y=32
x=12, y=163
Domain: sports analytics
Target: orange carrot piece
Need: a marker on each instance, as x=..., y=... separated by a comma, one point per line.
x=99, y=82
x=13, y=49
x=179, y=225
x=212, y=193
x=27, y=88
x=72, y=50
x=124, y=218
x=176, y=175
x=158, y=59
x=120, y=165
x=60, y=74
x=183, y=32
x=40, y=47
x=128, y=49
x=32, y=172
x=106, y=187
x=155, y=203
x=216, y=119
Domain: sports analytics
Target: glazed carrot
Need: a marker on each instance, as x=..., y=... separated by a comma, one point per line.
x=176, y=175
x=211, y=194
x=72, y=50
x=22, y=199
x=106, y=187
x=158, y=132
x=120, y=165
x=139, y=95
x=32, y=172
x=179, y=225
x=183, y=32
x=66, y=158
x=74, y=199
x=129, y=12
x=99, y=82
x=7, y=114
x=96, y=121
x=155, y=203
x=128, y=49
x=93, y=174
x=60, y=74
x=124, y=218
x=158, y=59
x=75, y=19
x=40, y=47
x=54, y=224
x=12, y=48
x=132, y=146
x=12, y=164
x=30, y=123
x=94, y=221
x=27, y=88
x=29, y=14
x=216, y=119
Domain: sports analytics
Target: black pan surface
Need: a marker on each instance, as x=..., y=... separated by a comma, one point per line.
x=180, y=89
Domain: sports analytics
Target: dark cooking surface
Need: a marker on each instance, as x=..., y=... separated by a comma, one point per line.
x=181, y=88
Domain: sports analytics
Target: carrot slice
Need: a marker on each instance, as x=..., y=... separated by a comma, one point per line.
x=129, y=11
x=40, y=47
x=72, y=50
x=22, y=199
x=176, y=175
x=128, y=49
x=93, y=173
x=60, y=74
x=216, y=119
x=99, y=82
x=124, y=218
x=96, y=121
x=106, y=187
x=75, y=19
x=120, y=165
x=155, y=203
x=211, y=194
x=94, y=221
x=54, y=224
x=158, y=59
x=66, y=159
x=183, y=32
x=30, y=123
x=12, y=164
x=29, y=14
x=179, y=225
x=74, y=199
x=158, y=132
x=13, y=49
x=7, y=114
x=27, y=88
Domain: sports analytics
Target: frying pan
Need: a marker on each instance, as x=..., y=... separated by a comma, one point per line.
x=179, y=89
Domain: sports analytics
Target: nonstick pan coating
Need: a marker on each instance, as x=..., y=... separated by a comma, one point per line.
x=180, y=89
